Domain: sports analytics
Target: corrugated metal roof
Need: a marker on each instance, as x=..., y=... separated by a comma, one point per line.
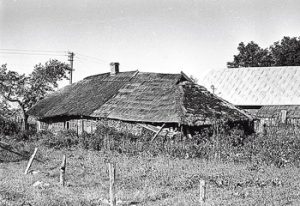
x=256, y=85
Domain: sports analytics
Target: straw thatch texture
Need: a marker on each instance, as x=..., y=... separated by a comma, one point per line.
x=147, y=98
x=81, y=98
x=203, y=107
x=256, y=86
x=139, y=97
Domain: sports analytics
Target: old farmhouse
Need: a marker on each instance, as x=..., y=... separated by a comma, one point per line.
x=271, y=94
x=133, y=100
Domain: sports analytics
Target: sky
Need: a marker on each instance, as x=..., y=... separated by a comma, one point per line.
x=165, y=36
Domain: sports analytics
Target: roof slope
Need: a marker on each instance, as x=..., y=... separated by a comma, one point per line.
x=140, y=97
x=256, y=85
x=148, y=97
x=200, y=105
x=81, y=98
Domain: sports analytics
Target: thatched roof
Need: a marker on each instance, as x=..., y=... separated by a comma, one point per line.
x=81, y=98
x=139, y=97
x=256, y=85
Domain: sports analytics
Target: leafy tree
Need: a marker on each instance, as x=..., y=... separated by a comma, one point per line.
x=27, y=90
x=282, y=53
x=250, y=55
x=286, y=52
x=4, y=108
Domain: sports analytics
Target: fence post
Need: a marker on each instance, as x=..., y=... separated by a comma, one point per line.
x=30, y=160
x=112, y=174
x=202, y=192
x=62, y=178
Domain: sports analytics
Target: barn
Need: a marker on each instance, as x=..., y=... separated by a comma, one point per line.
x=131, y=101
x=270, y=94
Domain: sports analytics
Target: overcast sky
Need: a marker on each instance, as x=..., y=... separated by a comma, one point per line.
x=165, y=36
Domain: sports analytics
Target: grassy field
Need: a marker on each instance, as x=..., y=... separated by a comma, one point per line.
x=143, y=180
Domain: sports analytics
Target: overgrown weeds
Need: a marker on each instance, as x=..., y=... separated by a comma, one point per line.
x=279, y=149
x=8, y=127
x=14, y=151
x=63, y=139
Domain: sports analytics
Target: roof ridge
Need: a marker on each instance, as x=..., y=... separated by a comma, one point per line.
x=101, y=74
x=215, y=70
x=159, y=73
x=272, y=67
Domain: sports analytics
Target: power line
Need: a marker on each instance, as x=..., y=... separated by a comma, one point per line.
x=86, y=61
x=91, y=57
x=48, y=52
x=29, y=50
x=24, y=53
x=90, y=60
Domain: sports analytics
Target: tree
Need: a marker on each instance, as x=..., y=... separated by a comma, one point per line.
x=286, y=52
x=282, y=53
x=27, y=90
x=250, y=55
x=4, y=108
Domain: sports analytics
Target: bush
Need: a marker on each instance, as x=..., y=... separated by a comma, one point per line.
x=91, y=141
x=63, y=139
x=279, y=149
x=8, y=127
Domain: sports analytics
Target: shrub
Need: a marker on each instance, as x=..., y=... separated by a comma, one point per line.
x=63, y=139
x=279, y=149
x=8, y=127
x=91, y=141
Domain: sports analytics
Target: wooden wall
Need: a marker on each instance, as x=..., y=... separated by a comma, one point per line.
x=274, y=117
x=77, y=125
x=89, y=126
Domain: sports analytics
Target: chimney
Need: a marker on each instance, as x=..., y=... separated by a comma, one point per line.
x=114, y=68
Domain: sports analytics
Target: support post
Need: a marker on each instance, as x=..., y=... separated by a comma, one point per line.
x=112, y=174
x=202, y=191
x=62, y=178
x=158, y=132
x=30, y=161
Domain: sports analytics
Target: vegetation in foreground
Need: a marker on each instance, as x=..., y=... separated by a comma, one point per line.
x=161, y=173
x=145, y=180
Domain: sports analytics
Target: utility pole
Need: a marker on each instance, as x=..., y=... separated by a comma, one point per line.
x=71, y=59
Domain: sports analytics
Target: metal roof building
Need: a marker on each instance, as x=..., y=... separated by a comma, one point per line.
x=267, y=92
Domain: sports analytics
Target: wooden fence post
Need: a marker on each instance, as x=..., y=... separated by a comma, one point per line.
x=30, y=160
x=112, y=175
x=62, y=178
x=202, y=192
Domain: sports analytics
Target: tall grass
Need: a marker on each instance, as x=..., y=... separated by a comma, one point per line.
x=8, y=127
x=279, y=149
